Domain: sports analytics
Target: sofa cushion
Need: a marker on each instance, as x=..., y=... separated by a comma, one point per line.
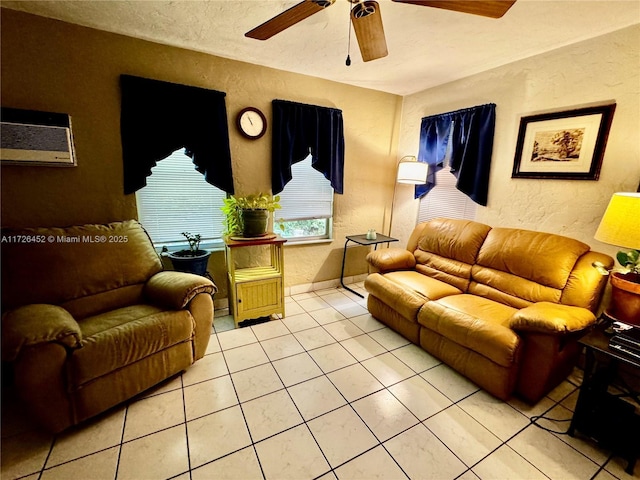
x=476, y=323
x=543, y=261
x=406, y=291
x=121, y=337
x=447, y=249
x=509, y=289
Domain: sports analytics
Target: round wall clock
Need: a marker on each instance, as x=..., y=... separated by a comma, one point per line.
x=251, y=123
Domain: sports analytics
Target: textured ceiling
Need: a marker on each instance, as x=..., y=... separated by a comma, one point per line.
x=427, y=46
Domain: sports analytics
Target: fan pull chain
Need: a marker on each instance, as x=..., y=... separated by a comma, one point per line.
x=348, y=62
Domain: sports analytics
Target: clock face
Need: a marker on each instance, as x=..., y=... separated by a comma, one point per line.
x=252, y=123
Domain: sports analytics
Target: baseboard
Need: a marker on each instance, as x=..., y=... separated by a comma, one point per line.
x=223, y=303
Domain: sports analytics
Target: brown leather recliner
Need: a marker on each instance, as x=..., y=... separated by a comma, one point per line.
x=90, y=318
x=502, y=306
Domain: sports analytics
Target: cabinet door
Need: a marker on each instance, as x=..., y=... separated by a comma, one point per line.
x=259, y=298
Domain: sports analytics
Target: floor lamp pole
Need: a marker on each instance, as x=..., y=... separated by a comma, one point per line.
x=393, y=201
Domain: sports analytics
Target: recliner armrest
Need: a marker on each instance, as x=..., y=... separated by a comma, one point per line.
x=390, y=259
x=33, y=324
x=175, y=290
x=548, y=317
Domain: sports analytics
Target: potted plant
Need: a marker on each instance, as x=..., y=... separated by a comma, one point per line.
x=625, y=287
x=249, y=216
x=191, y=260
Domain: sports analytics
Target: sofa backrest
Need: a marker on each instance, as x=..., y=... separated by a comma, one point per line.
x=446, y=249
x=87, y=269
x=519, y=267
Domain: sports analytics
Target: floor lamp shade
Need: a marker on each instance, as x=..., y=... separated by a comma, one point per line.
x=412, y=172
x=409, y=171
x=620, y=224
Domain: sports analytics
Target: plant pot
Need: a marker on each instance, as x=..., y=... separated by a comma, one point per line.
x=186, y=261
x=254, y=222
x=625, y=298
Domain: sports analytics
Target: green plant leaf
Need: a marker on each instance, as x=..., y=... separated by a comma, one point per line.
x=233, y=205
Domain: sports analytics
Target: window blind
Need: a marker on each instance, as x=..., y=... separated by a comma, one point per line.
x=445, y=200
x=308, y=195
x=178, y=199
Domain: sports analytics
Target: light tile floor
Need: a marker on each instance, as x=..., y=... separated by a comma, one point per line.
x=327, y=392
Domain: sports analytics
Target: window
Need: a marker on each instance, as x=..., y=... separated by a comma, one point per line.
x=307, y=204
x=468, y=134
x=178, y=199
x=445, y=200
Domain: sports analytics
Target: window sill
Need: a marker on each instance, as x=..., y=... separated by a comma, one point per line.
x=292, y=242
x=219, y=245
x=212, y=246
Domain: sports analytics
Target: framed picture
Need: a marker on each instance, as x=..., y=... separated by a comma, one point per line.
x=567, y=145
x=29, y=137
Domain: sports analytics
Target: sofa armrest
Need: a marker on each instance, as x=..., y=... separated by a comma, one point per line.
x=34, y=324
x=175, y=290
x=548, y=317
x=390, y=259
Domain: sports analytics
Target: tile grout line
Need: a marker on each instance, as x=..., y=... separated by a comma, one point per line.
x=358, y=361
x=253, y=445
x=293, y=402
x=186, y=425
x=350, y=403
x=306, y=422
x=469, y=468
x=124, y=426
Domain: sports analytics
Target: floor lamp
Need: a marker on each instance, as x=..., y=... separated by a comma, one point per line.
x=411, y=172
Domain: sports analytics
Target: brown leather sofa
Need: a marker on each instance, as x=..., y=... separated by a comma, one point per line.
x=90, y=318
x=504, y=307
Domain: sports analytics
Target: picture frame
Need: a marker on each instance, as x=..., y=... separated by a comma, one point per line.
x=563, y=145
x=33, y=138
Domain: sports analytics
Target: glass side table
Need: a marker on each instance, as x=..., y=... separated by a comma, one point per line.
x=361, y=240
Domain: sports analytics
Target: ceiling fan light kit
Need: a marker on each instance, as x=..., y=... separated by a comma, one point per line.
x=367, y=23
x=367, y=20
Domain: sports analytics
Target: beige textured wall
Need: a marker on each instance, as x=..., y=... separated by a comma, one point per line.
x=53, y=66
x=601, y=69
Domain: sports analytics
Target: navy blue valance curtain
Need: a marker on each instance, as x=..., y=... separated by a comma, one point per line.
x=158, y=118
x=470, y=135
x=300, y=129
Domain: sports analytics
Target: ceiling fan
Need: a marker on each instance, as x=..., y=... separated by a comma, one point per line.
x=367, y=21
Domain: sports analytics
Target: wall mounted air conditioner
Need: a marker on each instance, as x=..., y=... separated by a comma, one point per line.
x=29, y=137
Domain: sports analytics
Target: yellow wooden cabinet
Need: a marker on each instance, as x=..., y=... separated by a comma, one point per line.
x=255, y=291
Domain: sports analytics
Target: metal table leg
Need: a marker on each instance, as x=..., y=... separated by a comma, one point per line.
x=344, y=256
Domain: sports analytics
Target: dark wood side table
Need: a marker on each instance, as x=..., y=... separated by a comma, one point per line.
x=362, y=240
x=606, y=406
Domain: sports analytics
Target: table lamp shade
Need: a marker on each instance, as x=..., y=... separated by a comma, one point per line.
x=620, y=224
x=412, y=172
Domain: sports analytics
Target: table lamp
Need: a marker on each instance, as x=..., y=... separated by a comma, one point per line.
x=620, y=226
x=411, y=172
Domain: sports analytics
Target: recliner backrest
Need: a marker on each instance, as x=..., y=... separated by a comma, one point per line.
x=87, y=269
x=519, y=267
x=446, y=249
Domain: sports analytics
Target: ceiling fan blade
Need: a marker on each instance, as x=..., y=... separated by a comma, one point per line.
x=289, y=17
x=367, y=23
x=486, y=8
